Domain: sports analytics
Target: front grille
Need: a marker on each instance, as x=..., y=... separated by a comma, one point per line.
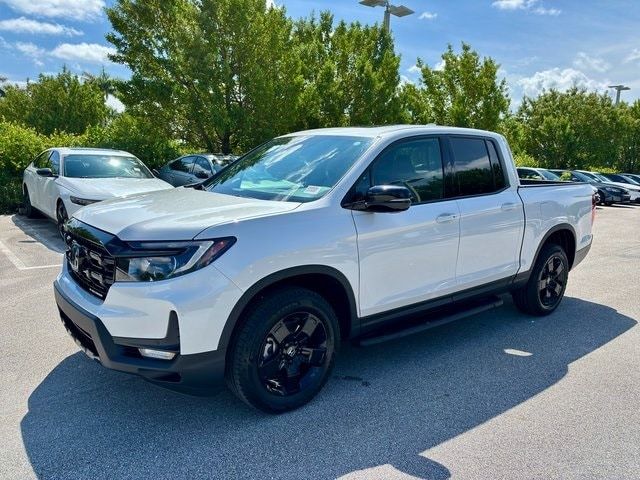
x=90, y=265
x=81, y=336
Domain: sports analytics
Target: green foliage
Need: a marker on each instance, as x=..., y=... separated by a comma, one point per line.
x=465, y=92
x=55, y=103
x=525, y=160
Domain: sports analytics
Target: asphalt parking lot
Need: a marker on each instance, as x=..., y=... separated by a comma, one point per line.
x=499, y=395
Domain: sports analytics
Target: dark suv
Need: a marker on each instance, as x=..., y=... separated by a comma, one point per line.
x=193, y=168
x=609, y=194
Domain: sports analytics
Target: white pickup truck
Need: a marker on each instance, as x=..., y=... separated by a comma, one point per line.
x=256, y=275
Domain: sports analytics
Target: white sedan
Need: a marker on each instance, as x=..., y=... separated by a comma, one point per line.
x=59, y=181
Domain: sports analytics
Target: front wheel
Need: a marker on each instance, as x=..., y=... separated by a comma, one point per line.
x=61, y=217
x=546, y=285
x=284, y=351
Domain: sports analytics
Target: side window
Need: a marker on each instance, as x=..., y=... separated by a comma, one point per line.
x=202, y=167
x=472, y=165
x=498, y=172
x=41, y=161
x=182, y=164
x=415, y=164
x=54, y=162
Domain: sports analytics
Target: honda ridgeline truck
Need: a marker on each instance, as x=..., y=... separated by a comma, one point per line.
x=255, y=276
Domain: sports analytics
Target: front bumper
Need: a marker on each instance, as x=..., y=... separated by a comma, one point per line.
x=196, y=374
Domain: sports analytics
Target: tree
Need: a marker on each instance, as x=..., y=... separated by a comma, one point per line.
x=628, y=136
x=465, y=92
x=573, y=129
x=55, y=103
x=216, y=73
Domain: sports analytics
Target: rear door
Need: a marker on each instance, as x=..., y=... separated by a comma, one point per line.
x=407, y=257
x=491, y=213
x=49, y=188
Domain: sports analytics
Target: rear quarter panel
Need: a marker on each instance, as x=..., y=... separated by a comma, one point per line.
x=547, y=206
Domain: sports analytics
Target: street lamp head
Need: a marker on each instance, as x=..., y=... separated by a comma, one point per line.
x=374, y=3
x=400, y=11
x=396, y=10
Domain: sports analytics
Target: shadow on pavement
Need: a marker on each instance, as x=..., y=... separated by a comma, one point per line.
x=385, y=405
x=41, y=230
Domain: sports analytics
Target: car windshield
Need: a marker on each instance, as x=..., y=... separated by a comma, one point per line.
x=631, y=180
x=583, y=177
x=602, y=178
x=548, y=175
x=104, y=166
x=295, y=169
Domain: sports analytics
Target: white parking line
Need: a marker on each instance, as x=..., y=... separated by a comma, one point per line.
x=19, y=264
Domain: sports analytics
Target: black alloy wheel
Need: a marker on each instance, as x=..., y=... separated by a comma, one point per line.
x=293, y=353
x=545, y=288
x=61, y=217
x=284, y=349
x=552, y=281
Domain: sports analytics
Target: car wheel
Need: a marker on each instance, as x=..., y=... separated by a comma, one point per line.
x=61, y=217
x=29, y=211
x=546, y=286
x=284, y=351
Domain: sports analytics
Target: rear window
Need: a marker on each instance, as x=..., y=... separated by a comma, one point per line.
x=473, y=166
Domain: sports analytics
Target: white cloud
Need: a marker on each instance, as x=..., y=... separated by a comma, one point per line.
x=83, y=52
x=586, y=62
x=26, y=25
x=83, y=10
x=439, y=66
x=633, y=56
x=32, y=51
x=530, y=5
x=428, y=16
x=114, y=103
x=405, y=80
x=414, y=69
x=558, y=79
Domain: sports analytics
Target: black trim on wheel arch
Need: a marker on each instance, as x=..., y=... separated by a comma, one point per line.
x=552, y=230
x=283, y=275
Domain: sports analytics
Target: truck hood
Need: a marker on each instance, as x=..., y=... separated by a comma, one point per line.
x=176, y=214
x=105, y=188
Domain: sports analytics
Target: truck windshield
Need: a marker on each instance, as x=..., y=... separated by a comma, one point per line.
x=104, y=166
x=299, y=168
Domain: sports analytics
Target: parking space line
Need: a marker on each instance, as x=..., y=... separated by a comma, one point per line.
x=19, y=264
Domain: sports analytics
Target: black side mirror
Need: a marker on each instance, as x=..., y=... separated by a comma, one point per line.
x=387, y=198
x=202, y=175
x=45, y=172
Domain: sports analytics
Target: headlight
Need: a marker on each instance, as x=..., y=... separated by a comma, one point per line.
x=82, y=201
x=612, y=190
x=153, y=261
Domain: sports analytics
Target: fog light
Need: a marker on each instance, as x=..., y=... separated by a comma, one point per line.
x=159, y=354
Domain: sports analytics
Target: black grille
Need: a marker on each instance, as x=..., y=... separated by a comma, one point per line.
x=83, y=337
x=91, y=266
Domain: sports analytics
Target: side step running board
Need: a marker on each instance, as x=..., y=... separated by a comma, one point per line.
x=488, y=304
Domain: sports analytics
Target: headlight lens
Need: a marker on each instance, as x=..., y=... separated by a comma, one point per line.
x=153, y=261
x=612, y=190
x=82, y=201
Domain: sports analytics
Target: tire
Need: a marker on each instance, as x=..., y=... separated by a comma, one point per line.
x=61, y=217
x=552, y=268
x=284, y=351
x=29, y=211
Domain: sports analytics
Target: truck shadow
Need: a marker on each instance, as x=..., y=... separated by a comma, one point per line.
x=384, y=408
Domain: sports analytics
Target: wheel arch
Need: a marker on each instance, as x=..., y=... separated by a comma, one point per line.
x=564, y=235
x=327, y=281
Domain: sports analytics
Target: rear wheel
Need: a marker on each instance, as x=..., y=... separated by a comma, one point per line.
x=546, y=286
x=284, y=351
x=61, y=217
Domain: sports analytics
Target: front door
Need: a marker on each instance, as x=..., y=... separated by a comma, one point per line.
x=407, y=257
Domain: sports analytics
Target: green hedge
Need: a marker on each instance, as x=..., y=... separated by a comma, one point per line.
x=19, y=145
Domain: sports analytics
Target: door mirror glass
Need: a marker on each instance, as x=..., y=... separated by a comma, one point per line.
x=202, y=175
x=387, y=198
x=45, y=172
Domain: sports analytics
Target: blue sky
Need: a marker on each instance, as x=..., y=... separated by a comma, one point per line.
x=539, y=43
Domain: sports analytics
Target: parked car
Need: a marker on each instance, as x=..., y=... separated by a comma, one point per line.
x=530, y=173
x=633, y=176
x=61, y=180
x=621, y=178
x=190, y=169
x=634, y=190
x=310, y=239
x=608, y=194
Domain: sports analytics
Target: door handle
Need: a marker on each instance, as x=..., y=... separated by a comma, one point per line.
x=446, y=218
x=508, y=206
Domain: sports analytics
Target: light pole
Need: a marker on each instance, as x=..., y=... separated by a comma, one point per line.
x=398, y=11
x=618, y=89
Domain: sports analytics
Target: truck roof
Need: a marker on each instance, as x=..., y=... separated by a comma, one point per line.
x=393, y=129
